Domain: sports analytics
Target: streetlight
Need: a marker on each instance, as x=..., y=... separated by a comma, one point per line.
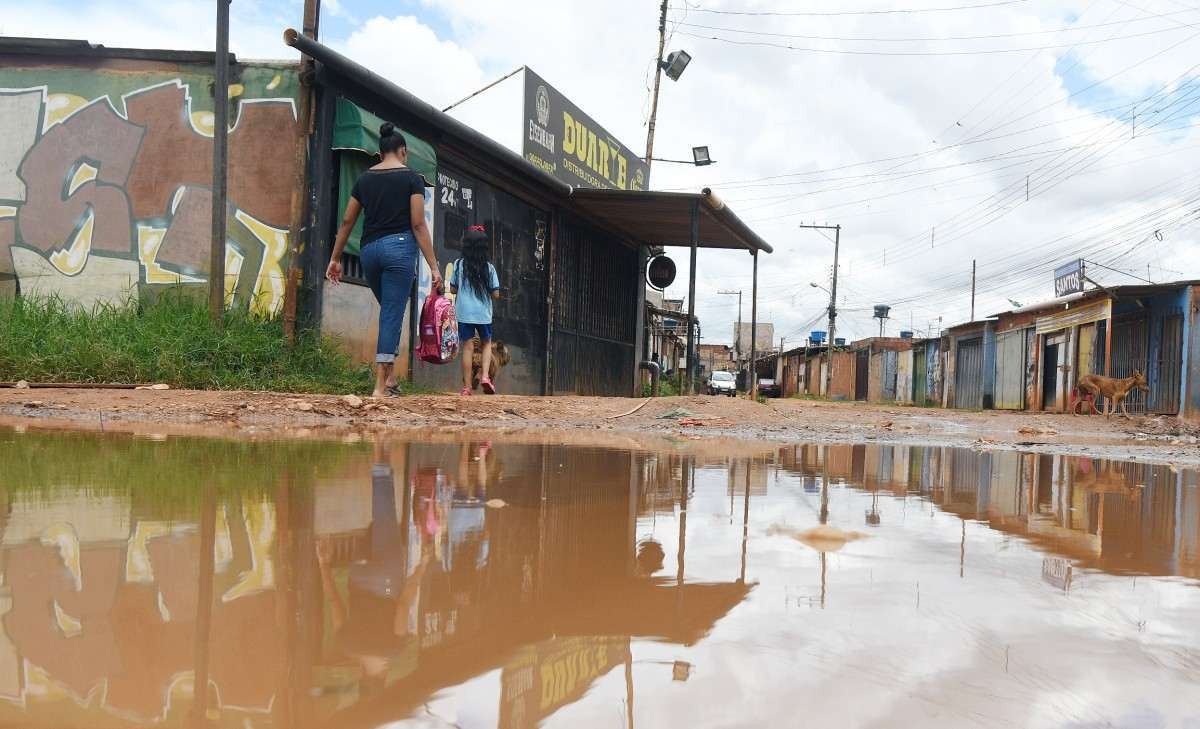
x=837, y=238
x=700, y=158
x=674, y=65
x=676, y=62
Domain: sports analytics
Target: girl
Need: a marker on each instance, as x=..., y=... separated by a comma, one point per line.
x=475, y=285
x=393, y=197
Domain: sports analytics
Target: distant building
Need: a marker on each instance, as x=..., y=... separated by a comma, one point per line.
x=764, y=338
x=716, y=357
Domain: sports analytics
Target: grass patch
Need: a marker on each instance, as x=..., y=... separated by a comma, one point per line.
x=666, y=388
x=168, y=340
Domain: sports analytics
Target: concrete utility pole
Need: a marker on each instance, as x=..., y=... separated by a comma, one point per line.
x=216, y=267
x=662, y=42
x=837, y=239
x=972, y=289
x=737, y=336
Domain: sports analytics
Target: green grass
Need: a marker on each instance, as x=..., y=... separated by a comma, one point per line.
x=170, y=340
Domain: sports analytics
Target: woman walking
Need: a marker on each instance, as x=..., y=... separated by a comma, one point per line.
x=393, y=198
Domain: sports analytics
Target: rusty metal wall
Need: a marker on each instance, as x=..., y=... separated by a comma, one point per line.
x=968, y=374
x=1010, y=370
x=862, y=374
x=1164, y=397
x=842, y=385
x=890, y=373
x=595, y=311
x=920, y=375
x=1131, y=335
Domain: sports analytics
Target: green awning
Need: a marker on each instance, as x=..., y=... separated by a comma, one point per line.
x=357, y=128
x=356, y=135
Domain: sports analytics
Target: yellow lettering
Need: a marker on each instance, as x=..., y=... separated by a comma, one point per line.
x=604, y=167
x=622, y=170
x=568, y=140
x=581, y=141
x=614, y=152
x=592, y=158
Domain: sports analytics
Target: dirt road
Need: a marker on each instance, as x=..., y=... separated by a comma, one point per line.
x=584, y=419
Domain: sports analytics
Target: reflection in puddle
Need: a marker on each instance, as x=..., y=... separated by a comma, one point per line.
x=482, y=584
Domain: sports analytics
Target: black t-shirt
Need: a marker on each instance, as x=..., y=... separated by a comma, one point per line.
x=386, y=196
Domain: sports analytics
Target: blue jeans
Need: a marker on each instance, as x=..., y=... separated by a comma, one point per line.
x=389, y=264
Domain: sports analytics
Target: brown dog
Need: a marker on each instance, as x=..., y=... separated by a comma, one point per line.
x=1114, y=390
x=499, y=359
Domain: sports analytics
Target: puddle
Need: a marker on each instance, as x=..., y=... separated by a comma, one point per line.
x=476, y=584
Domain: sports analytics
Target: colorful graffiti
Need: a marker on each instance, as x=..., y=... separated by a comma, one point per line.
x=105, y=184
x=101, y=608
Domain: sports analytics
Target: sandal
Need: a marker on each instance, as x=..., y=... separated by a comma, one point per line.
x=487, y=386
x=466, y=392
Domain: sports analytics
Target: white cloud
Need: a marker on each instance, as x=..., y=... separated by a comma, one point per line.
x=409, y=53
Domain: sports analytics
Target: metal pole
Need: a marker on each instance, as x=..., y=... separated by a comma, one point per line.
x=691, y=323
x=754, y=329
x=837, y=239
x=216, y=268
x=972, y=289
x=662, y=42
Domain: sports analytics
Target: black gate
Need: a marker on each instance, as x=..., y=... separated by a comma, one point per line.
x=862, y=370
x=595, y=312
x=1164, y=397
x=968, y=374
x=1129, y=353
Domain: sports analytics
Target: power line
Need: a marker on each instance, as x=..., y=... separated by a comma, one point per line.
x=934, y=39
x=977, y=52
x=832, y=13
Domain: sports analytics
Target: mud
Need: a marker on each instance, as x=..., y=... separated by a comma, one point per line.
x=600, y=420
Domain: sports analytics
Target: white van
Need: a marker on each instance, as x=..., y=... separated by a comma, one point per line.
x=722, y=383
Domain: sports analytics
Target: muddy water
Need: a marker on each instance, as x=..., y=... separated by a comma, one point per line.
x=496, y=585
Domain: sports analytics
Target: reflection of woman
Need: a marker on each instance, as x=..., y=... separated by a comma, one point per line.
x=373, y=623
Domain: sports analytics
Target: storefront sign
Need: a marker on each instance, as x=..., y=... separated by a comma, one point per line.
x=1077, y=313
x=543, y=678
x=561, y=140
x=1068, y=278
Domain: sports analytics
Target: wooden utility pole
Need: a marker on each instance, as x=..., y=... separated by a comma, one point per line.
x=216, y=267
x=972, y=289
x=662, y=42
x=304, y=115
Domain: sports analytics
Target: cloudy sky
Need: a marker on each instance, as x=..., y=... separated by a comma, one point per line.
x=919, y=126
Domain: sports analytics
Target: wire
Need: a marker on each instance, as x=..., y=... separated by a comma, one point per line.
x=831, y=13
x=980, y=52
x=934, y=39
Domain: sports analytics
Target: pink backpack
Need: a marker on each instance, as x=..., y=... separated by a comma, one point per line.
x=439, y=330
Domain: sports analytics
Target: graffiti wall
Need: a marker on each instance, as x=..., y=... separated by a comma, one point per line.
x=106, y=172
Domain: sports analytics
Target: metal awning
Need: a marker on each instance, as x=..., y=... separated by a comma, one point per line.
x=665, y=218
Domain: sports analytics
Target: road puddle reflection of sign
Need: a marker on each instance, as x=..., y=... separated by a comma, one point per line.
x=1057, y=571
x=543, y=678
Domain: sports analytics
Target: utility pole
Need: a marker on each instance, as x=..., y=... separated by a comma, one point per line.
x=216, y=267
x=312, y=15
x=737, y=335
x=662, y=42
x=972, y=289
x=837, y=238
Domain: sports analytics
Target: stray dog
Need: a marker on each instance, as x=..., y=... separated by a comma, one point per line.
x=1114, y=390
x=499, y=359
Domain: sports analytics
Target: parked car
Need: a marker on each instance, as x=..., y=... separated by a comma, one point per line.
x=768, y=387
x=722, y=383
